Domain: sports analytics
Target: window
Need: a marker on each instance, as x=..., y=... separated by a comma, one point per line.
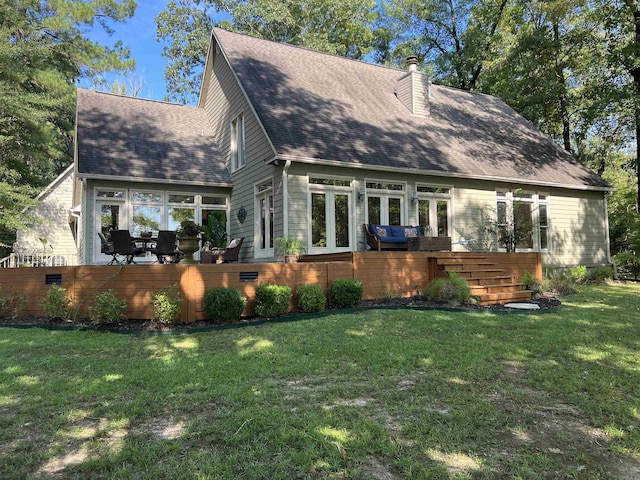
x=264, y=219
x=146, y=212
x=522, y=221
x=385, y=203
x=330, y=206
x=434, y=210
x=180, y=207
x=237, y=143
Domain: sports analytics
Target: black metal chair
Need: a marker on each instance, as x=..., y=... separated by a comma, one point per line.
x=123, y=245
x=107, y=249
x=165, y=249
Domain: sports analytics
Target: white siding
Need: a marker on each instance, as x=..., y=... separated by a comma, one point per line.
x=53, y=222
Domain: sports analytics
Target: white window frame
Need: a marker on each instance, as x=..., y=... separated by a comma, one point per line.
x=385, y=195
x=123, y=223
x=509, y=197
x=263, y=190
x=237, y=144
x=330, y=191
x=433, y=199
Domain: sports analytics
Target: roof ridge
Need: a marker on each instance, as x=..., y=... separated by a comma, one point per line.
x=300, y=47
x=129, y=97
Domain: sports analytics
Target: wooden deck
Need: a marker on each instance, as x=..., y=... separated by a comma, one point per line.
x=494, y=277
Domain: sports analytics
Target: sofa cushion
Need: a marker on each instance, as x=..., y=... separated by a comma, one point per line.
x=372, y=228
x=397, y=231
x=411, y=232
x=383, y=231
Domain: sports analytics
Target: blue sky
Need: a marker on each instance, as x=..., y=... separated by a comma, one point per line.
x=139, y=34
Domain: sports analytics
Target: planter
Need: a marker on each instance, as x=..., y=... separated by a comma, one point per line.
x=428, y=244
x=206, y=256
x=290, y=258
x=188, y=246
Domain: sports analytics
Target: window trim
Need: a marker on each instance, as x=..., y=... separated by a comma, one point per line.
x=509, y=196
x=237, y=143
x=260, y=193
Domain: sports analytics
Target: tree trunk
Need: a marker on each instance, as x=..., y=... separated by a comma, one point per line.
x=562, y=100
x=634, y=70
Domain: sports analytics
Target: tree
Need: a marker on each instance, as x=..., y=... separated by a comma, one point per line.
x=43, y=51
x=457, y=38
x=343, y=27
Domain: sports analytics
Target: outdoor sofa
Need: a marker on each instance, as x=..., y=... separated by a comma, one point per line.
x=389, y=237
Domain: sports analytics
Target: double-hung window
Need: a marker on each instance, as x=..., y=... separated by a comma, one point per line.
x=237, y=143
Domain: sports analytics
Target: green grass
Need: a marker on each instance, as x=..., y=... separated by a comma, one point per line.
x=394, y=394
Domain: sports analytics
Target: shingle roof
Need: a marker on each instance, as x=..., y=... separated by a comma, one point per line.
x=320, y=106
x=131, y=137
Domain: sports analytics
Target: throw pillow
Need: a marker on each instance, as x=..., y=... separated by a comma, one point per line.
x=411, y=232
x=233, y=243
x=381, y=232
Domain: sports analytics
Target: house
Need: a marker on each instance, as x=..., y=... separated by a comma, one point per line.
x=286, y=141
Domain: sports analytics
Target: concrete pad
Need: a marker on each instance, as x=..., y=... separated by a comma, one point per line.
x=522, y=306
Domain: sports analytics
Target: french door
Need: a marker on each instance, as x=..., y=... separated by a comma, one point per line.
x=331, y=221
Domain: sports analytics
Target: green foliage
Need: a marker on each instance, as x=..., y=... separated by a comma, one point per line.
x=578, y=274
x=628, y=262
x=311, y=298
x=449, y=288
x=289, y=246
x=343, y=27
x=167, y=304
x=272, y=300
x=529, y=282
x=188, y=228
x=602, y=274
x=345, y=293
x=215, y=230
x=57, y=305
x=224, y=305
x=44, y=49
x=560, y=282
x=107, y=308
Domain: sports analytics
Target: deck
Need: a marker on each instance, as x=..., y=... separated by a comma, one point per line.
x=494, y=278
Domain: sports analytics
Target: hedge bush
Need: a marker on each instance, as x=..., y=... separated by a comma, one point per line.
x=311, y=298
x=224, y=305
x=272, y=300
x=167, y=304
x=449, y=288
x=107, y=308
x=345, y=293
x=57, y=305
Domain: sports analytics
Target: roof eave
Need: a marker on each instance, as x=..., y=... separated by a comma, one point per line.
x=436, y=173
x=124, y=178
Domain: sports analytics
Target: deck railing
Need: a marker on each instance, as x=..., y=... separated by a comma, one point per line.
x=15, y=260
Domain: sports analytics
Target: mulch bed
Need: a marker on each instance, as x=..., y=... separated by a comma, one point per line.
x=545, y=302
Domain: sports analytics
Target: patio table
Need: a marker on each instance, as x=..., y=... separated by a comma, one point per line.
x=147, y=242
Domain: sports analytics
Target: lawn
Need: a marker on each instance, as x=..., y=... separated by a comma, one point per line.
x=377, y=394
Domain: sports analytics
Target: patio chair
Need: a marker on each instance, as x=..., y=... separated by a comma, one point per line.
x=123, y=245
x=229, y=254
x=165, y=249
x=107, y=249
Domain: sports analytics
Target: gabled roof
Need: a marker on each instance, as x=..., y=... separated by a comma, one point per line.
x=124, y=137
x=328, y=109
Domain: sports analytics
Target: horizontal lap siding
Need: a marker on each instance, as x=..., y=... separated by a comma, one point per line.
x=225, y=101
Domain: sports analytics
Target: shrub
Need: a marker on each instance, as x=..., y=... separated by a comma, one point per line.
x=107, y=308
x=449, y=288
x=578, y=274
x=345, y=293
x=224, y=305
x=56, y=305
x=166, y=305
x=561, y=283
x=628, y=262
x=18, y=302
x=272, y=300
x=311, y=298
x=529, y=282
x=602, y=273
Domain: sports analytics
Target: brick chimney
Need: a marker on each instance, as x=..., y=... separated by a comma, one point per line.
x=412, y=89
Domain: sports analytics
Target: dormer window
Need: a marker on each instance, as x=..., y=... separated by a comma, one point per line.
x=237, y=143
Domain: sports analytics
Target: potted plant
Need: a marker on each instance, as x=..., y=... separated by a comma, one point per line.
x=290, y=248
x=188, y=239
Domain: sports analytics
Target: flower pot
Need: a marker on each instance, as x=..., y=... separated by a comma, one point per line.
x=188, y=246
x=290, y=258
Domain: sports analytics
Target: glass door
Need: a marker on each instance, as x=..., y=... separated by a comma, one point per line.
x=109, y=217
x=331, y=223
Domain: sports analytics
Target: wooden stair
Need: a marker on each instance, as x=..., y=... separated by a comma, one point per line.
x=488, y=282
